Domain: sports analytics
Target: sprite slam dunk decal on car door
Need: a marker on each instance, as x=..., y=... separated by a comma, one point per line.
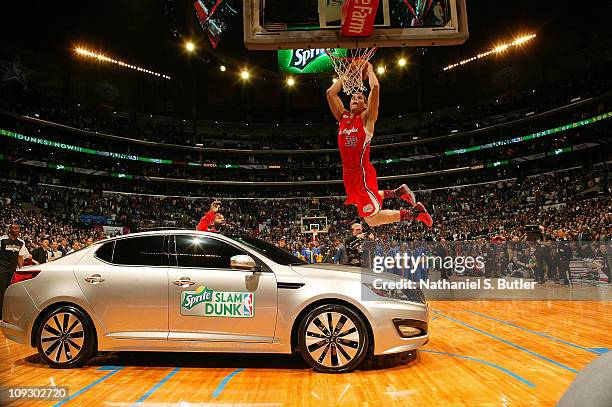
x=206, y=302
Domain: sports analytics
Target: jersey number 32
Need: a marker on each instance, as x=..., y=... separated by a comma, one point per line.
x=351, y=141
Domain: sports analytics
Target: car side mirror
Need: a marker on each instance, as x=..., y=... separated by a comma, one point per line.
x=243, y=262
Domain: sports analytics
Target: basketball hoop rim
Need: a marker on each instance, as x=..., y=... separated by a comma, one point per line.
x=370, y=53
x=350, y=69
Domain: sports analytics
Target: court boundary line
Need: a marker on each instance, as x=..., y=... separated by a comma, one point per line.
x=507, y=342
x=503, y=369
x=592, y=350
x=156, y=387
x=224, y=382
x=89, y=386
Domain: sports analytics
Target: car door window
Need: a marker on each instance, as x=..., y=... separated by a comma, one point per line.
x=105, y=252
x=139, y=251
x=203, y=252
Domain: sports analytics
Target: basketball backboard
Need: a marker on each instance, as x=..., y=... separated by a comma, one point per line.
x=312, y=224
x=282, y=24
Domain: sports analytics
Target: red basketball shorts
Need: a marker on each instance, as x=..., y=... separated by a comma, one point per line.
x=362, y=190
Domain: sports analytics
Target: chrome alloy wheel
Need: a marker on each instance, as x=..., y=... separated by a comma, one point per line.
x=332, y=339
x=62, y=337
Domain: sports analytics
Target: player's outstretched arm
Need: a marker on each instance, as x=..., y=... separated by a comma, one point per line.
x=373, y=98
x=335, y=103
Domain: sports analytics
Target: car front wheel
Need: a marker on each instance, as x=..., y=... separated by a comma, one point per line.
x=65, y=338
x=333, y=339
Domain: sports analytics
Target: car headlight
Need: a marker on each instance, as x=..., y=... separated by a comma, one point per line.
x=414, y=295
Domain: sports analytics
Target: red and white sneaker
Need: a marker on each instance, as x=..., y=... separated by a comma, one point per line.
x=417, y=212
x=406, y=194
x=423, y=215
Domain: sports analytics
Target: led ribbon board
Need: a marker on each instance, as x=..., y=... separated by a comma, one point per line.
x=131, y=157
x=303, y=61
x=69, y=168
x=532, y=135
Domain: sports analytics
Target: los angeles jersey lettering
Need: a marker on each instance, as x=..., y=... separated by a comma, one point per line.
x=352, y=139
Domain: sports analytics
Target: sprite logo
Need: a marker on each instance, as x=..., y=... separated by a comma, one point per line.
x=302, y=57
x=209, y=303
x=300, y=61
x=202, y=294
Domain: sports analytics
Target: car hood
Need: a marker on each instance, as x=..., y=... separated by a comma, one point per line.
x=341, y=270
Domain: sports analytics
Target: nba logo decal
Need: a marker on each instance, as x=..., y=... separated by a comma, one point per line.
x=368, y=208
x=247, y=301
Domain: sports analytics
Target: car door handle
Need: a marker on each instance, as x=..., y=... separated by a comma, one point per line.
x=183, y=282
x=94, y=279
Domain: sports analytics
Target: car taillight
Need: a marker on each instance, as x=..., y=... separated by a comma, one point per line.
x=23, y=275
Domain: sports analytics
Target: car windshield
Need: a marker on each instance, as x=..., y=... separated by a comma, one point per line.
x=272, y=252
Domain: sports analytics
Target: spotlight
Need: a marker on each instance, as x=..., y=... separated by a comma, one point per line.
x=189, y=46
x=401, y=62
x=245, y=74
x=222, y=68
x=499, y=49
x=290, y=81
x=380, y=70
x=100, y=57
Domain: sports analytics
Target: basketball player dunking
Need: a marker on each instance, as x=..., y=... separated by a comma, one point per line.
x=355, y=132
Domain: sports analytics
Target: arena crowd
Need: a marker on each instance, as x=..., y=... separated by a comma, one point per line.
x=572, y=205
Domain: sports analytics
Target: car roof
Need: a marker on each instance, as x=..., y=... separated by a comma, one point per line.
x=162, y=232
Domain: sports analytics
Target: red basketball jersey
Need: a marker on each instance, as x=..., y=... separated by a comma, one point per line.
x=359, y=175
x=354, y=150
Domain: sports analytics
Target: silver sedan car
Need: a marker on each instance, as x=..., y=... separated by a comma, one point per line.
x=180, y=290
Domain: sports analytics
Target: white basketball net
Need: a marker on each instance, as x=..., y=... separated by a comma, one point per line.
x=350, y=69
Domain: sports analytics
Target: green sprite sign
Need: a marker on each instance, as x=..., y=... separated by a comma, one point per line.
x=209, y=303
x=299, y=61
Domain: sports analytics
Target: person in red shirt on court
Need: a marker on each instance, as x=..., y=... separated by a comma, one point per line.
x=212, y=221
x=355, y=132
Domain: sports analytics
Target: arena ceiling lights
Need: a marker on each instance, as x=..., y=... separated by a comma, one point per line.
x=103, y=58
x=497, y=50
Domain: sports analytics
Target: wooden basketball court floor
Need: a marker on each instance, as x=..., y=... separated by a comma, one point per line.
x=481, y=353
